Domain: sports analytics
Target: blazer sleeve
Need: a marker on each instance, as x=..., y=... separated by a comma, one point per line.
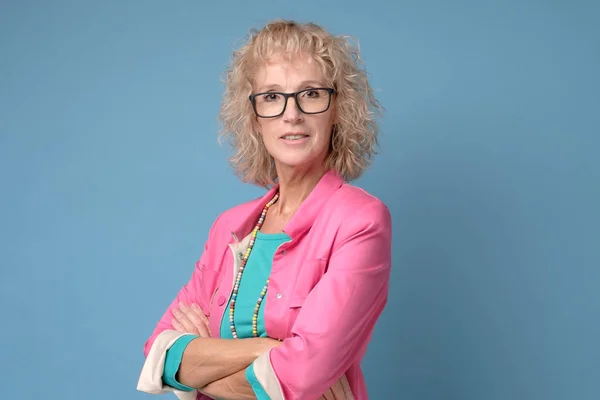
x=196, y=290
x=337, y=318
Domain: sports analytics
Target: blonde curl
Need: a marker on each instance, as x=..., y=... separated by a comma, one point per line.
x=355, y=134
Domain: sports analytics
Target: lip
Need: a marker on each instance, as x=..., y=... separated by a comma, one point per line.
x=293, y=133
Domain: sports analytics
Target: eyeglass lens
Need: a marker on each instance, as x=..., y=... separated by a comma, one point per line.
x=309, y=101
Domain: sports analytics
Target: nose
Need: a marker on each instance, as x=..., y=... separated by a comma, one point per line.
x=292, y=112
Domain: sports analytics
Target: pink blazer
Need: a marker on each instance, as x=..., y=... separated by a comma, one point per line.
x=328, y=286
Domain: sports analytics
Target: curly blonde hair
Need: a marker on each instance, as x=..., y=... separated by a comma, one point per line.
x=354, y=137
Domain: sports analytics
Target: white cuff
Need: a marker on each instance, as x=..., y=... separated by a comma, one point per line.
x=266, y=376
x=150, y=380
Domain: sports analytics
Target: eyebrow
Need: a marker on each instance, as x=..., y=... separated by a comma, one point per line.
x=303, y=85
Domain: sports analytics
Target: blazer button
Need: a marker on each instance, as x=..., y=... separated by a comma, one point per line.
x=279, y=295
x=221, y=300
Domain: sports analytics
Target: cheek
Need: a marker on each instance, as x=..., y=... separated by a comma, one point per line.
x=268, y=129
x=325, y=128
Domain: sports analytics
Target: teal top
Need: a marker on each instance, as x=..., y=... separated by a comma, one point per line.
x=256, y=273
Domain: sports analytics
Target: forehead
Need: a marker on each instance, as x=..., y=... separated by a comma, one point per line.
x=287, y=72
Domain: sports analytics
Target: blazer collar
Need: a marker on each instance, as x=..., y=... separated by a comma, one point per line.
x=304, y=218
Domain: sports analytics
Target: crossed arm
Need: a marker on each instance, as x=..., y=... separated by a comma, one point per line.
x=216, y=367
x=347, y=300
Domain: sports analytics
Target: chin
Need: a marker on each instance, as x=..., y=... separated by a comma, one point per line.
x=295, y=160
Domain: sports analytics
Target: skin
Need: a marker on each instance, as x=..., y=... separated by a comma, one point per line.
x=299, y=164
x=191, y=319
x=214, y=368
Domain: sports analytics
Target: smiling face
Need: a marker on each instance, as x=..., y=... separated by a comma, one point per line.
x=295, y=140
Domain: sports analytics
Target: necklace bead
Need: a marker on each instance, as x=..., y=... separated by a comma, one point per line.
x=238, y=277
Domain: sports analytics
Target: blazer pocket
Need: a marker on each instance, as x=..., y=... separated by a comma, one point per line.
x=309, y=274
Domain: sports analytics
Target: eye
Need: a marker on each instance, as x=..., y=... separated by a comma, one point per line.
x=269, y=97
x=311, y=94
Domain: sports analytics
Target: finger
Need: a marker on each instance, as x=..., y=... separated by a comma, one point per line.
x=193, y=316
x=327, y=395
x=346, y=387
x=178, y=327
x=183, y=320
x=338, y=391
x=202, y=329
x=196, y=309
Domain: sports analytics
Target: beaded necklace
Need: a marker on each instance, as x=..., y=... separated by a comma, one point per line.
x=238, y=278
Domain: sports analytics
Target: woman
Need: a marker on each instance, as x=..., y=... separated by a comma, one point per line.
x=283, y=300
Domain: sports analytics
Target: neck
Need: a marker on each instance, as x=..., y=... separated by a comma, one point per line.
x=294, y=187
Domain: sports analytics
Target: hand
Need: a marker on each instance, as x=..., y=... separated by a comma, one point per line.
x=190, y=319
x=339, y=391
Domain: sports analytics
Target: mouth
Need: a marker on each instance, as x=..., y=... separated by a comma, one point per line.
x=293, y=136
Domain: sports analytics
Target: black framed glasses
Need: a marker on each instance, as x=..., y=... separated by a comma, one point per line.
x=309, y=101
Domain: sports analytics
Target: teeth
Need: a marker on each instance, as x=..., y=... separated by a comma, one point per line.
x=294, y=137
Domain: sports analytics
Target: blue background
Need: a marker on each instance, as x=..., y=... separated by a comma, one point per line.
x=111, y=175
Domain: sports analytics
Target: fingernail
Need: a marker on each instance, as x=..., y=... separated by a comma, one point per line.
x=182, y=305
x=196, y=307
